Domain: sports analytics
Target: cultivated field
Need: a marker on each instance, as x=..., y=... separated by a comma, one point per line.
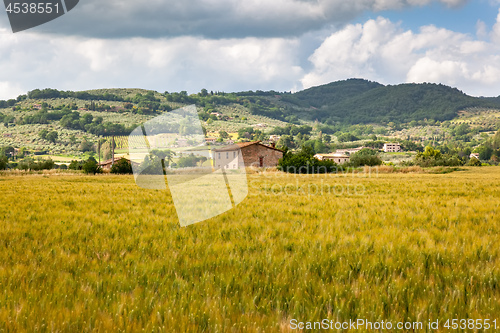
x=97, y=253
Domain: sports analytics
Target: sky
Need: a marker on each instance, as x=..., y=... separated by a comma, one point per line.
x=232, y=45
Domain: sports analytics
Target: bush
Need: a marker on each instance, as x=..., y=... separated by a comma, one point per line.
x=76, y=165
x=86, y=146
x=304, y=162
x=4, y=162
x=365, y=156
x=432, y=157
x=122, y=166
x=474, y=162
x=91, y=166
x=30, y=164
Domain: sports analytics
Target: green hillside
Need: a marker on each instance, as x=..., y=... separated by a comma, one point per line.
x=358, y=101
x=333, y=93
x=404, y=103
x=335, y=108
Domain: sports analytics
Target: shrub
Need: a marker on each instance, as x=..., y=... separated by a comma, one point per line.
x=432, y=157
x=304, y=162
x=30, y=164
x=122, y=166
x=365, y=156
x=474, y=162
x=76, y=165
x=91, y=166
x=4, y=162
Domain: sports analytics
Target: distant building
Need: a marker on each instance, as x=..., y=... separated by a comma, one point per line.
x=106, y=165
x=475, y=155
x=274, y=138
x=253, y=154
x=211, y=140
x=182, y=142
x=348, y=151
x=338, y=158
x=392, y=147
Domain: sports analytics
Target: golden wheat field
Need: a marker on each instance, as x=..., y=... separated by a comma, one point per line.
x=99, y=254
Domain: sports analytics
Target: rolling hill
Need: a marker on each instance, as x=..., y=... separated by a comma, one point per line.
x=357, y=101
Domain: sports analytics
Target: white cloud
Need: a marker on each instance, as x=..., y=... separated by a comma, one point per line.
x=9, y=90
x=30, y=61
x=495, y=33
x=481, y=29
x=215, y=19
x=429, y=70
x=380, y=50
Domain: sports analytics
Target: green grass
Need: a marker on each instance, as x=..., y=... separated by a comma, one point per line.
x=97, y=253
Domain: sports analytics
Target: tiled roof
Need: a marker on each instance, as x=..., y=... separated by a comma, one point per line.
x=111, y=160
x=242, y=145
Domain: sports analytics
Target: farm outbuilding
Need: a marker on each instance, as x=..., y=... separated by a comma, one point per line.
x=254, y=154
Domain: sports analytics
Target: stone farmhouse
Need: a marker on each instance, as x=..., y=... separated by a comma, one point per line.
x=253, y=154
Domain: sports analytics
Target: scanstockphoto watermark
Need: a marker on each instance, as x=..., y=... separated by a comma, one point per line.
x=301, y=185
x=27, y=14
x=309, y=189
x=359, y=324
x=455, y=324
x=337, y=171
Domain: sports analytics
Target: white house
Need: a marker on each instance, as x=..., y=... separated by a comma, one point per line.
x=475, y=155
x=348, y=151
x=392, y=147
x=335, y=157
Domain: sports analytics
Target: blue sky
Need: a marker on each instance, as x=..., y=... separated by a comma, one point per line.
x=462, y=18
x=233, y=45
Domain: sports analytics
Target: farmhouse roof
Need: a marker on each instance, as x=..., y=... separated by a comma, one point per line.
x=242, y=145
x=110, y=161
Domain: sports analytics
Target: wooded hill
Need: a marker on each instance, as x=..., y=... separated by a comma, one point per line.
x=353, y=101
x=357, y=101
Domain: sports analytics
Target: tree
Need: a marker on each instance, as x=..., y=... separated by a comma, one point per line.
x=86, y=146
x=43, y=134
x=166, y=155
x=91, y=166
x=304, y=162
x=245, y=133
x=407, y=145
x=223, y=135
x=485, y=152
x=286, y=141
x=365, y=156
x=346, y=137
x=474, y=162
x=190, y=161
x=4, y=162
x=433, y=157
x=52, y=136
x=7, y=150
x=76, y=165
x=430, y=152
x=122, y=166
